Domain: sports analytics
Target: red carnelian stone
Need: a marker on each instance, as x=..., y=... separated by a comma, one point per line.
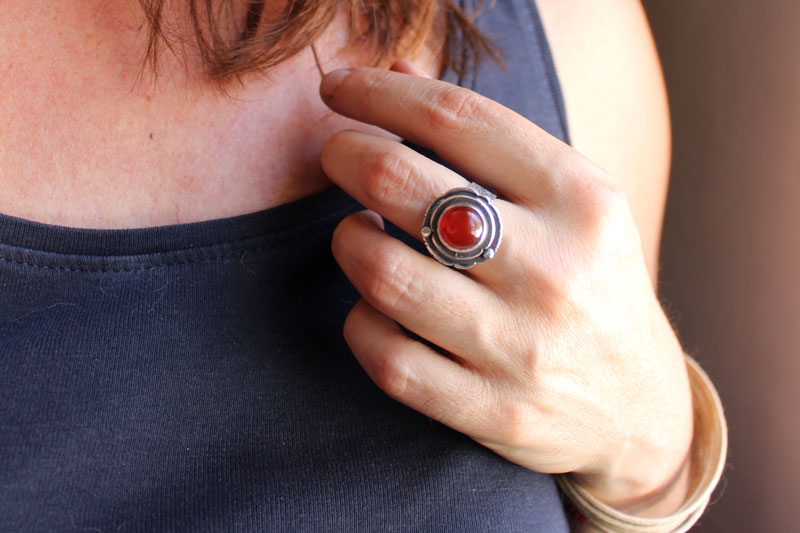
x=460, y=227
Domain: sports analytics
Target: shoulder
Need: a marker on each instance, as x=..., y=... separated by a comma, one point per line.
x=615, y=99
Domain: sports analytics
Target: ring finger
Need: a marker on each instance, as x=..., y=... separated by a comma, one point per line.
x=399, y=183
x=440, y=305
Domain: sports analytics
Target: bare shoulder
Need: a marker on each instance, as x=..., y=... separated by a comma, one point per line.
x=615, y=99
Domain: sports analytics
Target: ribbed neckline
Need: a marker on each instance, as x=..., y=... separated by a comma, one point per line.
x=35, y=236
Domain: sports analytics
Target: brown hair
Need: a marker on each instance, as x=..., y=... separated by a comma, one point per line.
x=237, y=38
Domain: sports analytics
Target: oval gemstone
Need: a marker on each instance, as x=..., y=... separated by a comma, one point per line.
x=461, y=227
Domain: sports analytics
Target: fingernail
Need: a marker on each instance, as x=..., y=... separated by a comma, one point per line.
x=407, y=67
x=373, y=218
x=331, y=82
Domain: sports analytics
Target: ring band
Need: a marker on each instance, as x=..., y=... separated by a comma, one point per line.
x=462, y=227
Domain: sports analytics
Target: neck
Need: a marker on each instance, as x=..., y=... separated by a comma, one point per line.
x=94, y=146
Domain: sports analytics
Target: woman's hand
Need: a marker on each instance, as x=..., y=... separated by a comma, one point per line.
x=559, y=356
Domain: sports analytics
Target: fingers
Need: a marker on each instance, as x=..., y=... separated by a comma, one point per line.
x=387, y=177
x=486, y=141
x=439, y=304
x=399, y=183
x=415, y=375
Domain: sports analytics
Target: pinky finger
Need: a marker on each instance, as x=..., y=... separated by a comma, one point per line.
x=416, y=375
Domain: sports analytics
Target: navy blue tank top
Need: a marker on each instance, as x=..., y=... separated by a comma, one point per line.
x=194, y=377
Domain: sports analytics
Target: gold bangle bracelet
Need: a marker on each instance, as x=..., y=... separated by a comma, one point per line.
x=709, y=452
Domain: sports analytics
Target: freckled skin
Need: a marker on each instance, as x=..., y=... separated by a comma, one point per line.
x=90, y=123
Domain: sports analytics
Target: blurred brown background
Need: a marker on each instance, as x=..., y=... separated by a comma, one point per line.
x=731, y=248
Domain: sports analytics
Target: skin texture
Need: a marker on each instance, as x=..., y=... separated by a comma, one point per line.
x=553, y=345
x=95, y=146
x=616, y=101
x=570, y=366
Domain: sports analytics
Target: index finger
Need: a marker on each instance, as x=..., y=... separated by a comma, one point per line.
x=484, y=140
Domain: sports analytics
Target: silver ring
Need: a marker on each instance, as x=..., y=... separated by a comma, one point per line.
x=462, y=227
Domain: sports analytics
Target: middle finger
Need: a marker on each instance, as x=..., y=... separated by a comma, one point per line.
x=447, y=309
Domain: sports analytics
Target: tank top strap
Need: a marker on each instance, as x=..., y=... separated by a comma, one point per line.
x=526, y=80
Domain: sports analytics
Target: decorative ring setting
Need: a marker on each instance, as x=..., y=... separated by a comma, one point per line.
x=462, y=227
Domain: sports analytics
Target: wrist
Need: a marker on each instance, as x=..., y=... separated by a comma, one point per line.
x=657, y=496
x=707, y=459
x=643, y=473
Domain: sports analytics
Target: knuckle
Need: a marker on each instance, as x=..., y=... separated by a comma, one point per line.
x=530, y=361
x=515, y=424
x=555, y=287
x=607, y=219
x=599, y=212
x=387, y=177
x=392, y=374
x=454, y=108
x=482, y=332
x=523, y=346
x=602, y=203
x=559, y=294
x=551, y=285
x=387, y=278
x=594, y=199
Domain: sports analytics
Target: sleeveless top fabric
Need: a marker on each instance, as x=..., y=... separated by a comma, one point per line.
x=194, y=377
